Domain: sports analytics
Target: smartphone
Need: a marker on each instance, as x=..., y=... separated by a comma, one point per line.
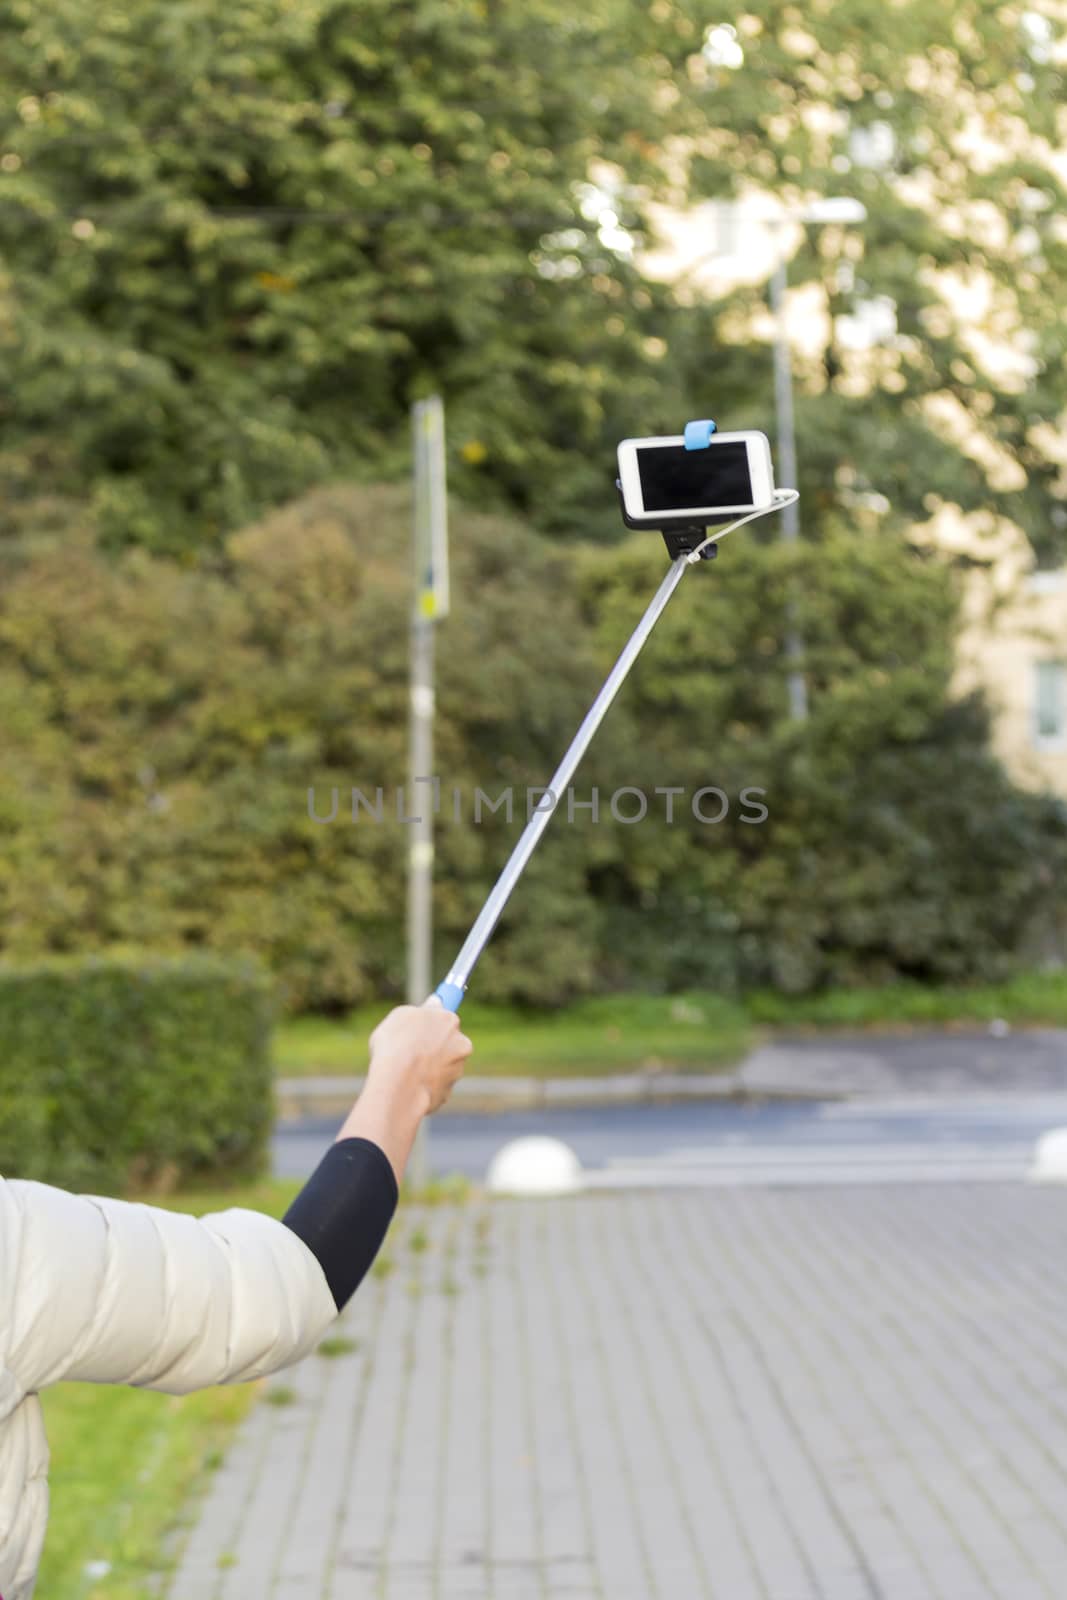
x=661, y=478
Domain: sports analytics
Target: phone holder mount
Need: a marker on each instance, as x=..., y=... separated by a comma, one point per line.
x=680, y=535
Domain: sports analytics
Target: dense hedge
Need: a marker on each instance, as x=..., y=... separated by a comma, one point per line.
x=164, y=724
x=896, y=845
x=123, y=1073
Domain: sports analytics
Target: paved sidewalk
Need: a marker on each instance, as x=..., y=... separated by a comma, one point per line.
x=744, y=1395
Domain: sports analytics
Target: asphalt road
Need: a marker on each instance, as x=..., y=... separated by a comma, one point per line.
x=899, y=1138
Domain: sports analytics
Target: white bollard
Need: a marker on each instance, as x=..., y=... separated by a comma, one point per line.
x=1050, y=1158
x=534, y=1166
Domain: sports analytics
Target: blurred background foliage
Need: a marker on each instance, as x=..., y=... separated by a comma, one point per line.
x=164, y=726
x=949, y=124
x=236, y=245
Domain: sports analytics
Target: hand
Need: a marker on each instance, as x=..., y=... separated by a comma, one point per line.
x=416, y=1057
x=423, y=1048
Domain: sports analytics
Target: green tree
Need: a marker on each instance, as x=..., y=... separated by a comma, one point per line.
x=164, y=724
x=163, y=727
x=894, y=843
x=236, y=244
x=947, y=124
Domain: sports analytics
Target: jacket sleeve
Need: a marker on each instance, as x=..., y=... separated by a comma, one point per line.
x=106, y=1291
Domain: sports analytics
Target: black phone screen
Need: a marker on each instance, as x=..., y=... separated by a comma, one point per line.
x=675, y=479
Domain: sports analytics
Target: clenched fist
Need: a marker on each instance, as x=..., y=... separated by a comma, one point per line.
x=423, y=1047
x=416, y=1056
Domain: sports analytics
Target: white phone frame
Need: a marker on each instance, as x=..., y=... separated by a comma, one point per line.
x=760, y=472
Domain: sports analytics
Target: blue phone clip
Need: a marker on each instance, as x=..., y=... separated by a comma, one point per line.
x=698, y=434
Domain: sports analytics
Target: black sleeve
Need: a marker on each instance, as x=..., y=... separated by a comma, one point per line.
x=343, y=1212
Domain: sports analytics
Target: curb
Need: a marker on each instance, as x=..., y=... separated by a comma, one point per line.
x=326, y=1096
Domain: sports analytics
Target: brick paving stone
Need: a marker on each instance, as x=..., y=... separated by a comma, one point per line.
x=751, y=1394
x=222, y=1513
x=464, y=1498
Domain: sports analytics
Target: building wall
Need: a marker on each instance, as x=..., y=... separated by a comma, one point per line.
x=1013, y=644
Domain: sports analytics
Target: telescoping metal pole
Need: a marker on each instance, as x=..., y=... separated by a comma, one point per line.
x=450, y=992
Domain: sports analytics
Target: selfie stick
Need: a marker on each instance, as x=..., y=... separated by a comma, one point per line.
x=687, y=545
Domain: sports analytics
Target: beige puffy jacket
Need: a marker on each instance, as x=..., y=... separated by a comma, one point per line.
x=111, y=1292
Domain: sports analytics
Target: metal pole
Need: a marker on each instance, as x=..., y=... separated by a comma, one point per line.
x=489, y=915
x=422, y=794
x=787, y=456
x=420, y=851
x=420, y=846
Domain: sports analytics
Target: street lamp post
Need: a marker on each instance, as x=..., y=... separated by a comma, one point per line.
x=843, y=209
x=787, y=458
x=430, y=606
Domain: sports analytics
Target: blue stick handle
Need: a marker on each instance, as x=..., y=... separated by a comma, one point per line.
x=450, y=995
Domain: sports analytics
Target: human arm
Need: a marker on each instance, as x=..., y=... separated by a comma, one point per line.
x=112, y=1292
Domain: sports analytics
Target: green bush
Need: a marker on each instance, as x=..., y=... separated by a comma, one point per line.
x=895, y=846
x=163, y=726
x=124, y=1072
